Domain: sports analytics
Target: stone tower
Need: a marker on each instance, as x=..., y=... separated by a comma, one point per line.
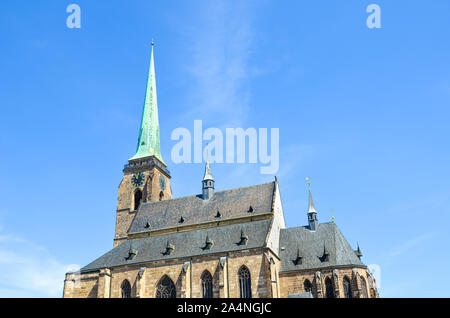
x=146, y=177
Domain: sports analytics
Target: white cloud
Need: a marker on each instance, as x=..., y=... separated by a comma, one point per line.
x=28, y=270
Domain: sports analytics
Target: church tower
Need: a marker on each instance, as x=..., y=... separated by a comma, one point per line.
x=146, y=177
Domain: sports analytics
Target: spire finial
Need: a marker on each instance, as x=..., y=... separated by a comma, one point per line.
x=153, y=42
x=208, y=175
x=311, y=208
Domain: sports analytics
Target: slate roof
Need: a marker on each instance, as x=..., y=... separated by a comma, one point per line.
x=187, y=244
x=234, y=203
x=311, y=244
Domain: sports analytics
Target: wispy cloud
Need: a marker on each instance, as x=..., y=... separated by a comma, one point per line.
x=292, y=157
x=28, y=270
x=221, y=48
x=409, y=244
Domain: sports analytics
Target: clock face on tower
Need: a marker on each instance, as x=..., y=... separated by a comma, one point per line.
x=162, y=182
x=137, y=179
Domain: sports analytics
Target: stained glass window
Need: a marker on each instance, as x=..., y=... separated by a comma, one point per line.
x=245, y=284
x=166, y=288
x=207, y=285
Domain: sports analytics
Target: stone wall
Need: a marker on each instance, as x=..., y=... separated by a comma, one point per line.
x=185, y=274
x=81, y=286
x=293, y=282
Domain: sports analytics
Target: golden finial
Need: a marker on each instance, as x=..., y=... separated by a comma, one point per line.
x=308, y=182
x=332, y=218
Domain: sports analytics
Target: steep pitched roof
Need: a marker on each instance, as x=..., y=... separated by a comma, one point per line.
x=187, y=244
x=311, y=245
x=231, y=204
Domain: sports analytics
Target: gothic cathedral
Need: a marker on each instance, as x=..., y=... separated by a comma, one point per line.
x=222, y=244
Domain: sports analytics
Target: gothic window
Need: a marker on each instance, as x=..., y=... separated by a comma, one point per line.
x=307, y=286
x=137, y=198
x=126, y=289
x=245, y=284
x=329, y=288
x=207, y=285
x=161, y=196
x=347, y=288
x=166, y=288
x=363, y=288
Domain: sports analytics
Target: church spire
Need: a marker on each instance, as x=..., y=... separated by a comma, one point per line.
x=312, y=213
x=311, y=208
x=148, y=141
x=208, y=180
x=208, y=175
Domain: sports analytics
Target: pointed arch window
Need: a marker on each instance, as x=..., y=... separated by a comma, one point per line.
x=347, y=287
x=126, y=289
x=363, y=288
x=329, y=293
x=307, y=286
x=207, y=286
x=245, y=283
x=137, y=198
x=166, y=288
x=161, y=196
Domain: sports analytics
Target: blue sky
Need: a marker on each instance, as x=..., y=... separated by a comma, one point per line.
x=363, y=112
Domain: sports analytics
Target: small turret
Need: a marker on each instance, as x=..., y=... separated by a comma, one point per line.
x=312, y=213
x=208, y=181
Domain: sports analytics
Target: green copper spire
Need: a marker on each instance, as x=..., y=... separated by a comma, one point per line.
x=148, y=142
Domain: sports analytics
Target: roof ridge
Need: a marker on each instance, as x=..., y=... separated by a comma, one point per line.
x=197, y=195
